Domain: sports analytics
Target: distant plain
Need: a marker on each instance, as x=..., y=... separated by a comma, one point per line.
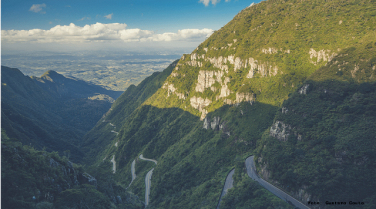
x=112, y=70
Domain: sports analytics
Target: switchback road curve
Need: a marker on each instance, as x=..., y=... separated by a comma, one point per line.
x=251, y=171
x=148, y=180
x=229, y=183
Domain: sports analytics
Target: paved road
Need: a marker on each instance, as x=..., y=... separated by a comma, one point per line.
x=113, y=163
x=148, y=180
x=229, y=183
x=147, y=186
x=133, y=171
x=142, y=158
x=251, y=171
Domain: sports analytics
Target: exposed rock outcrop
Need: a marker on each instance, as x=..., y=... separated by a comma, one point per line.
x=88, y=179
x=207, y=78
x=206, y=124
x=225, y=91
x=200, y=104
x=247, y=97
x=219, y=62
x=215, y=123
x=322, y=55
x=280, y=130
x=172, y=90
x=264, y=69
x=272, y=50
x=353, y=72
x=304, y=89
x=269, y=50
x=238, y=63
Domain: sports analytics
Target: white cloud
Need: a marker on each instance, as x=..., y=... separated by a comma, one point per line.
x=87, y=18
x=100, y=33
x=37, y=8
x=109, y=16
x=185, y=34
x=251, y=4
x=206, y=2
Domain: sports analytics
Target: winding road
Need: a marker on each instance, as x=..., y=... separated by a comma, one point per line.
x=147, y=180
x=113, y=164
x=251, y=171
x=147, y=186
x=142, y=158
x=117, y=133
x=133, y=171
x=229, y=183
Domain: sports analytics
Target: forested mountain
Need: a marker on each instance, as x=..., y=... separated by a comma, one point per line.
x=38, y=179
x=69, y=87
x=291, y=82
x=52, y=111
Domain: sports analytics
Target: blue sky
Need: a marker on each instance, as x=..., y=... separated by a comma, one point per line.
x=177, y=23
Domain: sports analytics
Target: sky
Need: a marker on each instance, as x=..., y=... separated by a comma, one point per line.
x=68, y=25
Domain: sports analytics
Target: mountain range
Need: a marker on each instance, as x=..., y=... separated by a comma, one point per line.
x=52, y=111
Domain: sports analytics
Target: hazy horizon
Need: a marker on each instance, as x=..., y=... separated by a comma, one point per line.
x=139, y=26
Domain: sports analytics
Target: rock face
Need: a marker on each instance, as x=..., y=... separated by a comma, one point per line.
x=269, y=51
x=264, y=69
x=217, y=80
x=353, y=72
x=172, y=90
x=280, y=131
x=248, y=97
x=322, y=55
x=304, y=89
x=272, y=50
x=225, y=91
x=88, y=179
x=215, y=123
x=68, y=171
x=219, y=62
x=207, y=78
x=206, y=124
x=200, y=104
